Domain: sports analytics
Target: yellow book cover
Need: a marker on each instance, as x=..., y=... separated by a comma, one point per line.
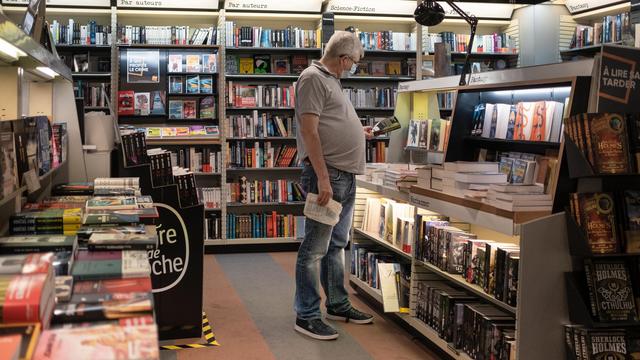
x=153, y=132
x=394, y=68
x=420, y=106
x=182, y=131
x=72, y=216
x=168, y=131
x=246, y=65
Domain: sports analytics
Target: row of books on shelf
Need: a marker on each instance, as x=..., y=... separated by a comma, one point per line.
x=265, y=64
x=446, y=100
x=34, y=144
x=480, y=330
x=531, y=121
x=199, y=159
x=74, y=33
x=191, y=84
x=430, y=134
x=200, y=131
x=154, y=103
x=387, y=40
x=584, y=343
x=376, y=152
x=205, y=108
x=95, y=94
x=265, y=225
x=384, y=218
x=260, y=155
x=493, y=43
x=612, y=28
x=610, y=142
x=264, y=191
x=211, y=197
x=262, y=125
x=166, y=35
x=193, y=63
x=375, y=97
x=258, y=36
x=83, y=288
x=87, y=62
x=610, y=221
x=406, y=67
x=491, y=265
x=163, y=173
x=213, y=226
x=280, y=96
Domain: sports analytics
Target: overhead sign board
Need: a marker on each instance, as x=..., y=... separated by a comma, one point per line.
x=169, y=4
x=407, y=8
x=577, y=6
x=306, y=6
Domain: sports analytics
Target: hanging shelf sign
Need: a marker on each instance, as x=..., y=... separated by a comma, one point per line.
x=306, y=6
x=169, y=4
x=480, y=10
x=407, y=8
x=69, y=3
x=578, y=6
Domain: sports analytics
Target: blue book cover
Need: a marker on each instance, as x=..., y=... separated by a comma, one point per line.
x=512, y=122
x=206, y=84
x=175, y=84
x=193, y=84
x=158, y=101
x=44, y=144
x=175, y=109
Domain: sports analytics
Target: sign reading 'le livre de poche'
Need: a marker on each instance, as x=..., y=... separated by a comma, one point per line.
x=170, y=4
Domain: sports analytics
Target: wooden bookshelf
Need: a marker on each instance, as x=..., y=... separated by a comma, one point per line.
x=386, y=191
x=377, y=240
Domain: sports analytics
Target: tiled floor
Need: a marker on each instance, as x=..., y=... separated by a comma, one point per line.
x=249, y=301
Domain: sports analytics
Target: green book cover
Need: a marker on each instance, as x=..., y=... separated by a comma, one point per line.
x=29, y=244
x=96, y=270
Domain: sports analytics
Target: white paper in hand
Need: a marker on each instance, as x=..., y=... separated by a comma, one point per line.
x=329, y=214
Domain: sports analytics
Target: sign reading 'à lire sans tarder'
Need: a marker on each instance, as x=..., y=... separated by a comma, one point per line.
x=170, y=4
x=83, y=3
x=575, y=6
x=407, y=8
x=312, y=6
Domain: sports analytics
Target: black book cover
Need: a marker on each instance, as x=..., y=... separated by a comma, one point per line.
x=606, y=344
x=610, y=290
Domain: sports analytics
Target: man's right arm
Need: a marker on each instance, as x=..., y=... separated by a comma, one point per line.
x=311, y=139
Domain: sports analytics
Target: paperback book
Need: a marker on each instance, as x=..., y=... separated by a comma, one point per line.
x=192, y=84
x=175, y=109
x=175, y=85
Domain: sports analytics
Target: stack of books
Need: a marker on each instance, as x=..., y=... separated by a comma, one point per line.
x=401, y=179
x=466, y=179
x=82, y=289
x=260, y=126
x=514, y=197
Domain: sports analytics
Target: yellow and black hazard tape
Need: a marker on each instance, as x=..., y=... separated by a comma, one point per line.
x=209, y=337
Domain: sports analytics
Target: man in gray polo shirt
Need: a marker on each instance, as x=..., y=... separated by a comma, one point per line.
x=331, y=143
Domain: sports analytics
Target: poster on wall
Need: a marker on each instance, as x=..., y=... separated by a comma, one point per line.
x=143, y=66
x=619, y=80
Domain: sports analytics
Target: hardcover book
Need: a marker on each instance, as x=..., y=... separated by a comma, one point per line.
x=610, y=290
x=609, y=143
x=158, y=102
x=206, y=84
x=605, y=344
x=193, y=63
x=142, y=103
x=209, y=63
x=189, y=109
x=192, y=84
x=596, y=214
x=386, y=126
x=207, y=108
x=26, y=298
x=175, y=85
x=175, y=63
x=281, y=64
x=262, y=64
x=299, y=63
x=175, y=109
x=246, y=65
x=95, y=290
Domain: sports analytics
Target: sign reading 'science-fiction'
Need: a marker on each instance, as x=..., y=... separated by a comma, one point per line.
x=407, y=8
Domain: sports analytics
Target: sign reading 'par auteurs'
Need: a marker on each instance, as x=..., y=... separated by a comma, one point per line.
x=169, y=4
x=311, y=6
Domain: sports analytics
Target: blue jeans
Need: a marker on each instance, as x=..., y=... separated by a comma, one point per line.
x=324, y=245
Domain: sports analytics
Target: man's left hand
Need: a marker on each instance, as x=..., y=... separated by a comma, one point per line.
x=368, y=132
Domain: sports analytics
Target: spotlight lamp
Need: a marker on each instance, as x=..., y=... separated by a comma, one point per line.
x=430, y=13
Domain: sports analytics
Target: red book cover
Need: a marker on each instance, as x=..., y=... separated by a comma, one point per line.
x=125, y=102
x=10, y=346
x=113, y=286
x=274, y=224
x=22, y=296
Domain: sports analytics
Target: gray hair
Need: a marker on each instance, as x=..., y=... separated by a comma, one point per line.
x=344, y=43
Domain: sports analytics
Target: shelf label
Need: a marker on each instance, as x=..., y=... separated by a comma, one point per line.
x=169, y=4
x=413, y=199
x=71, y=3
x=377, y=7
x=310, y=6
x=577, y=6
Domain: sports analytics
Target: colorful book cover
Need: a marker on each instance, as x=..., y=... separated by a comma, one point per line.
x=182, y=131
x=598, y=211
x=247, y=96
x=175, y=109
x=192, y=84
x=231, y=64
x=212, y=130
x=175, y=63
x=158, y=102
x=209, y=63
x=104, y=307
x=143, y=66
x=153, y=132
x=281, y=64
x=394, y=68
x=43, y=127
x=23, y=297
x=132, y=264
x=207, y=108
x=299, y=63
x=142, y=106
x=246, y=65
x=110, y=341
x=29, y=334
x=193, y=63
x=175, y=85
x=189, y=109
x=197, y=130
x=609, y=143
x=169, y=132
x=206, y=84
x=262, y=64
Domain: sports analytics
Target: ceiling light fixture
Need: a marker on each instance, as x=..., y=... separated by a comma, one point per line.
x=430, y=13
x=11, y=50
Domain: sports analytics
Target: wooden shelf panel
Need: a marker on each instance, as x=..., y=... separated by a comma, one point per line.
x=461, y=282
x=377, y=240
x=472, y=211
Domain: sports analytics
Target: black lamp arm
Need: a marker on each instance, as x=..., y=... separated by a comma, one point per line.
x=473, y=22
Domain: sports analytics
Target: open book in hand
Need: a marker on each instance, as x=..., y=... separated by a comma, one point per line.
x=328, y=214
x=386, y=126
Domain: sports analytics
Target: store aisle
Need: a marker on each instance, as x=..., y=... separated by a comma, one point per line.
x=249, y=297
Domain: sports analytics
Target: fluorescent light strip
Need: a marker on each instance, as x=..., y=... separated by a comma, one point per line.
x=47, y=71
x=10, y=50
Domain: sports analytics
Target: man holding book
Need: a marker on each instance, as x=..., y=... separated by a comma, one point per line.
x=331, y=144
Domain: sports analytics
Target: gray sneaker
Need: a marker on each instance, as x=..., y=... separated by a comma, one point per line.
x=351, y=315
x=316, y=328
